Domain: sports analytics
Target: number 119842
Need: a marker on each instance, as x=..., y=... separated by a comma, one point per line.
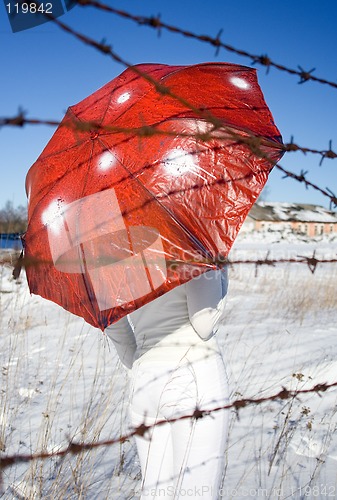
x=29, y=8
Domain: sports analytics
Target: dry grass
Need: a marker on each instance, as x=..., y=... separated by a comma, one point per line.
x=288, y=290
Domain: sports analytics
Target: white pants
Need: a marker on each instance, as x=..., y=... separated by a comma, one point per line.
x=183, y=459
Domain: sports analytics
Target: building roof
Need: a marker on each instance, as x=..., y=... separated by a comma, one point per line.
x=287, y=212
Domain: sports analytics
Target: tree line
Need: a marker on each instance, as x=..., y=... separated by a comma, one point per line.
x=13, y=219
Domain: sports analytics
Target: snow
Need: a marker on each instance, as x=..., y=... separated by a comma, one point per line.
x=61, y=382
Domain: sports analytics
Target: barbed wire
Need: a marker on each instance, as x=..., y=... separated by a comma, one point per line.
x=291, y=147
x=301, y=177
x=75, y=448
x=253, y=142
x=155, y=22
x=105, y=49
x=162, y=89
x=20, y=120
x=19, y=261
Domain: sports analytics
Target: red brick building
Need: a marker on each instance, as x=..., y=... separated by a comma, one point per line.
x=310, y=220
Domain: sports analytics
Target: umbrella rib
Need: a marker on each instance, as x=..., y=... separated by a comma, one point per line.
x=86, y=281
x=135, y=77
x=87, y=284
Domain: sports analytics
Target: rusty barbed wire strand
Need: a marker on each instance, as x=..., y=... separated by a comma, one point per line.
x=19, y=120
x=155, y=22
x=75, y=448
x=291, y=147
x=19, y=262
x=147, y=131
x=302, y=179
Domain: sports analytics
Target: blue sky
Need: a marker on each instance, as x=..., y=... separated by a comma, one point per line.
x=44, y=70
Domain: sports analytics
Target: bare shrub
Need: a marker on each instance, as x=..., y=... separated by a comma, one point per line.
x=13, y=219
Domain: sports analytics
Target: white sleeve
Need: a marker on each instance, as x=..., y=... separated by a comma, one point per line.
x=123, y=338
x=206, y=301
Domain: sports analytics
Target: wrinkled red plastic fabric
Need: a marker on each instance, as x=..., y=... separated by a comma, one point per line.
x=118, y=217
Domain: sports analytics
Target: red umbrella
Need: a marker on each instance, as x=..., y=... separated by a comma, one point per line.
x=152, y=191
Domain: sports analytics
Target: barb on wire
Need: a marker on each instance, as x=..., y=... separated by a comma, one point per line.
x=333, y=198
x=76, y=448
x=305, y=75
x=18, y=120
x=312, y=262
x=327, y=154
x=261, y=262
x=158, y=24
x=264, y=60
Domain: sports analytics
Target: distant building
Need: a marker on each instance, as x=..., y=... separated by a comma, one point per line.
x=310, y=220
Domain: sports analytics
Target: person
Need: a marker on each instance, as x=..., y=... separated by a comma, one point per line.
x=177, y=369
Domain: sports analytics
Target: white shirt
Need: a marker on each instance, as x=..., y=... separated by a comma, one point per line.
x=186, y=316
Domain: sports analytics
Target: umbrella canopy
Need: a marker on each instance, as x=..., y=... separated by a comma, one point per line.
x=142, y=188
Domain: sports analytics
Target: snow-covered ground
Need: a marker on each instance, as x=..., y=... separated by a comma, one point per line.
x=61, y=382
